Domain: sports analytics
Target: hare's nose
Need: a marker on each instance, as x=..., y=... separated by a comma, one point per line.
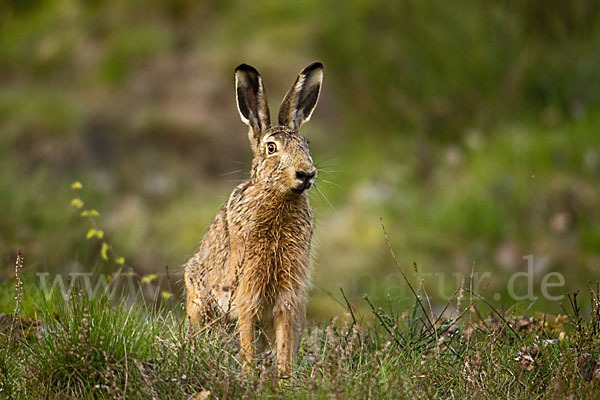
x=305, y=176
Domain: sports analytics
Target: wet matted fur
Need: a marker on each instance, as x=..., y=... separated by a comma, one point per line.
x=253, y=263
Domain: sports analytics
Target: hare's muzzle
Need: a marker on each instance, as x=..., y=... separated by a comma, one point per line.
x=305, y=179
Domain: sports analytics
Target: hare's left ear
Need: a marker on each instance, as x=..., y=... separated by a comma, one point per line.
x=300, y=101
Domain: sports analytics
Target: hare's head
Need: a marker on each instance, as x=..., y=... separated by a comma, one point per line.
x=281, y=155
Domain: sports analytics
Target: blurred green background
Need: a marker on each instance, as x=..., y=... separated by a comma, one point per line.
x=471, y=127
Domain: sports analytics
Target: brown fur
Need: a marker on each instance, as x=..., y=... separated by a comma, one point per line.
x=253, y=262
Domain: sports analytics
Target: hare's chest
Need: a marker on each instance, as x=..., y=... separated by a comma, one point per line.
x=273, y=257
x=279, y=245
x=268, y=229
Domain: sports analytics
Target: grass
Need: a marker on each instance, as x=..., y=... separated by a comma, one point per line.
x=109, y=346
x=140, y=107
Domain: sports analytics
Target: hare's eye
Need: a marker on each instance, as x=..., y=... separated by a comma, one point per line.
x=271, y=147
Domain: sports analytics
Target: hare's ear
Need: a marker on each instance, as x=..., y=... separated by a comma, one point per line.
x=300, y=101
x=251, y=99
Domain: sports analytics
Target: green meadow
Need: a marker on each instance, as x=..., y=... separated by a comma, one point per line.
x=461, y=136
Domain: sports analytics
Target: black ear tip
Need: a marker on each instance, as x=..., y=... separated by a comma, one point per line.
x=246, y=68
x=313, y=66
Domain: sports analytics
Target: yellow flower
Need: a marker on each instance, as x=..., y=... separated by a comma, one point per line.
x=104, y=251
x=165, y=295
x=76, y=185
x=77, y=203
x=149, y=278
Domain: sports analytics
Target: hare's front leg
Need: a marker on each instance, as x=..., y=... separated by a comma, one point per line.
x=197, y=306
x=246, y=327
x=285, y=340
x=193, y=312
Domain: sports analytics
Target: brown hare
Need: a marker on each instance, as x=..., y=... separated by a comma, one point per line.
x=253, y=263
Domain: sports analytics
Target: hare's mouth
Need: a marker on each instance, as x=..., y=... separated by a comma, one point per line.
x=305, y=181
x=301, y=188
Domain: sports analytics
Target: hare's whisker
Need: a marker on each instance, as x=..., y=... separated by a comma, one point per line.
x=329, y=171
x=325, y=197
x=325, y=159
x=330, y=182
x=230, y=173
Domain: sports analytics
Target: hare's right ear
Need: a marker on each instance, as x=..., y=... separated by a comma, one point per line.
x=300, y=101
x=252, y=101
